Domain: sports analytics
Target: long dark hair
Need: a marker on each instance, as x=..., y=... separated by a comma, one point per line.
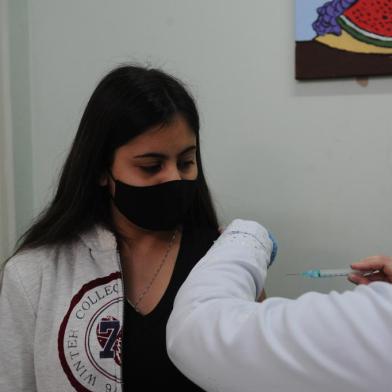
x=127, y=102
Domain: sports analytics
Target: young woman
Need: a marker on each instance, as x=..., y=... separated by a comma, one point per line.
x=85, y=300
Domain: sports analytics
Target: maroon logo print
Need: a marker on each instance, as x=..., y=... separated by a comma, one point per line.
x=90, y=336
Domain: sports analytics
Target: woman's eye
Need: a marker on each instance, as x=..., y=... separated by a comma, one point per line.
x=151, y=169
x=186, y=164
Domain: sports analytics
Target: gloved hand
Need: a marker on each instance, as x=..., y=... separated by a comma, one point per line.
x=274, y=247
x=271, y=237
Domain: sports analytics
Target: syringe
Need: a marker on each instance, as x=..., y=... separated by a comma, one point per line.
x=331, y=273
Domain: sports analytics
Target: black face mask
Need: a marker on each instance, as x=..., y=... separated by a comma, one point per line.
x=158, y=207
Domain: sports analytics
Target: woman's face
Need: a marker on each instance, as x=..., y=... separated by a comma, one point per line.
x=156, y=156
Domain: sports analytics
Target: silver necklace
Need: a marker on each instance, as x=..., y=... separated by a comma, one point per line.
x=147, y=288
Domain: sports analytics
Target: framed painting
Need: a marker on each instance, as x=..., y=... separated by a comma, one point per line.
x=343, y=38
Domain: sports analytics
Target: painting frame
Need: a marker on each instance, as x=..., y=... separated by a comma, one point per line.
x=343, y=38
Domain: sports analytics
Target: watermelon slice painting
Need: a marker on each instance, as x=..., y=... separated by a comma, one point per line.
x=343, y=38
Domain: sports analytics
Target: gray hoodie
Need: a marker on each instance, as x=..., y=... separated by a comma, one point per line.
x=61, y=315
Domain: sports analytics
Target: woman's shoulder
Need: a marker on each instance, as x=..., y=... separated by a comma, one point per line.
x=95, y=239
x=30, y=269
x=33, y=261
x=21, y=275
x=27, y=266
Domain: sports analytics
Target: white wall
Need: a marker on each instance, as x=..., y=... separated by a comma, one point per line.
x=7, y=211
x=20, y=102
x=311, y=161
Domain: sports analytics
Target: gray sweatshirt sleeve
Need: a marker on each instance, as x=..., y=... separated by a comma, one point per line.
x=17, y=326
x=223, y=340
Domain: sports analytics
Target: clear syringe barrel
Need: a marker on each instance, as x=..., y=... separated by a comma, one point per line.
x=326, y=273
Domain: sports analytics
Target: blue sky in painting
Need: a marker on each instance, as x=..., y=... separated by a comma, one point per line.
x=305, y=15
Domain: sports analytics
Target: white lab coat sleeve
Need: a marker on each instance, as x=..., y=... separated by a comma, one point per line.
x=224, y=340
x=17, y=326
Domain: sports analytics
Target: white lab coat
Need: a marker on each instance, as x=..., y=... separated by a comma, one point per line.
x=224, y=340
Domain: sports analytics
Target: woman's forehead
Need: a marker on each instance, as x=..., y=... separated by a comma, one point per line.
x=172, y=138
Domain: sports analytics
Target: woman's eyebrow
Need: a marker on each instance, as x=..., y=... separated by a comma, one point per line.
x=151, y=155
x=188, y=149
x=163, y=156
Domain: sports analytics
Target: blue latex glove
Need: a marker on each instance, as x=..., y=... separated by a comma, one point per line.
x=274, y=247
x=274, y=244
